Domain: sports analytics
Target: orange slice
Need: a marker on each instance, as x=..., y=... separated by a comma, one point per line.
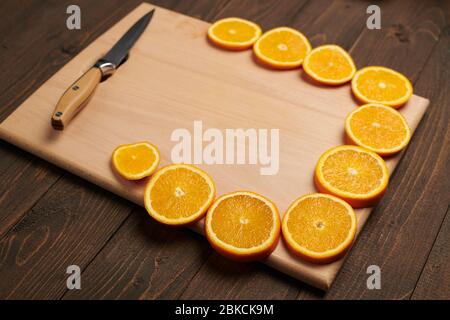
x=282, y=48
x=354, y=174
x=243, y=226
x=319, y=227
x=329, y=64
x=381, y=85
x=234, y=33
x=378, y=128
x=179, y=194
x=135, y=161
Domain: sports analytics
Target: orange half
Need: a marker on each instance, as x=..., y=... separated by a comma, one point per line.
x=234, y=33
x=319, y=227
x=179, y=194
x=378, y=128
x=136, y=161
x=381, y=85
x=282, y=48
x=354, y=174
x=329, y=64
x=243, y=226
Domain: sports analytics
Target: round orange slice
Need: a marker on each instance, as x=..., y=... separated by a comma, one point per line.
x=329, y=64
x=378, y=128
x=135, y=161
x=282, y=48
x=319, y=227
x=234, y=33
x=354, y=174
x=243, y=226
x=179, y=194
x=381, y=85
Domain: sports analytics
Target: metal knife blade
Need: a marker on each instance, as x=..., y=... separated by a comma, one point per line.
x=119, y=51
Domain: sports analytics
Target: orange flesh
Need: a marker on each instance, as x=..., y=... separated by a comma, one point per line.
x=179, y=193
x=378, y=128
x=330, y=64
x=135, y=159
x=379, y=85
x=242, y=221
x=352, y=171
x=283, y=46
x=234, y=31
x=319, y=224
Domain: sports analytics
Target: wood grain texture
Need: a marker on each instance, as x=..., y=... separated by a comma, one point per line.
x=21, y=175
x=207, y=10
x=404, y=225
x=221, y=89
x=434, y=282
x=61, y=230
x=144, y=260
x=45, y=47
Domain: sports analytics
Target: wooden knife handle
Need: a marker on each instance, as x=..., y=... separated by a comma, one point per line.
x=73, y=100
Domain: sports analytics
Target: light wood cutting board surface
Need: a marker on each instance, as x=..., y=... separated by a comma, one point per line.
x=173, y=78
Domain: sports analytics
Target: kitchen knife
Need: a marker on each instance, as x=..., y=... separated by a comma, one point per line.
x=76, y=96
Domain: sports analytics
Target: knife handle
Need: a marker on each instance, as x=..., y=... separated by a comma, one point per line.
x=75, y=97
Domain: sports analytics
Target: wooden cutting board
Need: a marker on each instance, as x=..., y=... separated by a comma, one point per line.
x=173, y=78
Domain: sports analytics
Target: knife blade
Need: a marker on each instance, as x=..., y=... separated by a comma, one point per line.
x=77, y=95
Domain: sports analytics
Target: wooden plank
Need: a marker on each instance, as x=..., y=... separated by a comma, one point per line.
x=434, y=282
x=207, y=10
x=144, y=260
x=65, y=228
x=403, y=227
x=331, y=22
x=266, y=13
x=25, y=179
x=49, y=284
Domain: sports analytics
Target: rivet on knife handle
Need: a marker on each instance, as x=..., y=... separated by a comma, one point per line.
x=73, y=100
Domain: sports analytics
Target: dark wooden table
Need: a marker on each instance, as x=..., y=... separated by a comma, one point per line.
x=50, y=219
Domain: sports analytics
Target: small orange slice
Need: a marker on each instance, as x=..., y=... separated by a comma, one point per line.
x=135, y=161
x=234, y=33
x=381, y=85
x=282, y=48
x=354, y=174
x=329, y=64
x=378, y=128
x=319, y=227
x=243, y=226
x=179, y=194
